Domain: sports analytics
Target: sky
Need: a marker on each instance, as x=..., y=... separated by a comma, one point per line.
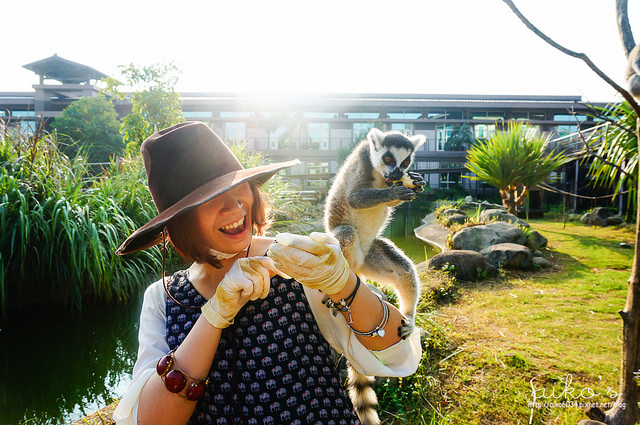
x=329, y=46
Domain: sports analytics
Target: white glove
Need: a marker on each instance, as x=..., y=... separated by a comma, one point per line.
x=247, y=279
x=315, y=261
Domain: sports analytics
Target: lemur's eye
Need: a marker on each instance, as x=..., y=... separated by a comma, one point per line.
x=405, y=163
x=387, y=159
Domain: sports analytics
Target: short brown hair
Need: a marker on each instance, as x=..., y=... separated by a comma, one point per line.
x=183, y=235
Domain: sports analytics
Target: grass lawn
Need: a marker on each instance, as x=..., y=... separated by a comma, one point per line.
x=550, y=336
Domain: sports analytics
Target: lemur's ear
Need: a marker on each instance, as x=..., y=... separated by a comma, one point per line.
x=418, y=140
x=375, y=137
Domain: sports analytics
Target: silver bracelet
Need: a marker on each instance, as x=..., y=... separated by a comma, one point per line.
x=378, y=330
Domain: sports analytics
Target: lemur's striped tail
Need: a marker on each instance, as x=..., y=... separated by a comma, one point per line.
x=363, y=397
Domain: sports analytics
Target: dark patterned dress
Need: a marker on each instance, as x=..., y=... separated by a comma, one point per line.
x=272, y=365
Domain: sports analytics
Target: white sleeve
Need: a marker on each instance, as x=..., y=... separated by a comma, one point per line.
x=401, y=359
x=152, y=345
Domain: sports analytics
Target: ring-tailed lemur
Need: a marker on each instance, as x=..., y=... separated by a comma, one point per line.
x=364, y=193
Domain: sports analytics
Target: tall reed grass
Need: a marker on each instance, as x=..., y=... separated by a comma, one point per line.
x=60, y=225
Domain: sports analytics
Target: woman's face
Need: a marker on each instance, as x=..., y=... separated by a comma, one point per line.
x=224, y=223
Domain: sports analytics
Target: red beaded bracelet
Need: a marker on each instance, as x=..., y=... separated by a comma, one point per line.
x=175, y=379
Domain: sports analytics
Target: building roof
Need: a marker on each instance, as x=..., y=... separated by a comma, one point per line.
x=64, y=70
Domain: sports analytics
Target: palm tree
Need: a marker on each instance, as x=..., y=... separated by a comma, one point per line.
x=513, y=160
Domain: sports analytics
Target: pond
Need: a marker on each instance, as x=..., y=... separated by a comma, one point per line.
x=56, y=368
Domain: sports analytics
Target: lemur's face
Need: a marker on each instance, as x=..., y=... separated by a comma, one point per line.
x=392, y=153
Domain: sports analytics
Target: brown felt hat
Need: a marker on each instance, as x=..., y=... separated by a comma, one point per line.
x=187, y=165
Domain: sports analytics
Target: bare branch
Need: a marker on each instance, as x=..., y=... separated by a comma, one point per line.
x=624, y=28
x=571, y=53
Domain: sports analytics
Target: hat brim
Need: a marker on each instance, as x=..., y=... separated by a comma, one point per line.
x=151, y=233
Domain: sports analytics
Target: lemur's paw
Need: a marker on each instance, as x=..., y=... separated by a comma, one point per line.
x=406, y=328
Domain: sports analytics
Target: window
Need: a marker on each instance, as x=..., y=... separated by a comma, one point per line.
x=490, y=116
x=404, y=128
x=321, y=115
x=537, y=116
x=360, y=130
x=17, y=113
x=565, y=130
x=443, y=132
x=436, y=115
x=484, y=131
x=520, y=116
x=279, y=138
x=318, y=133
x=198, y=114
x=321, y=169
x=235, y=130
x=404, y=115
x=362, y=115
x=449, y=180
x=236, y=114
x=571, y=118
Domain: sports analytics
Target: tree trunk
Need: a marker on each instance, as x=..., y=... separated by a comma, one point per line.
x=630, y=364
x=508, y=195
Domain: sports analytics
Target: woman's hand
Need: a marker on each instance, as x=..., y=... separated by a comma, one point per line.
x=247, y=279
x=315, y=261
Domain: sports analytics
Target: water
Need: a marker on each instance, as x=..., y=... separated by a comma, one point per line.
x=56, y=368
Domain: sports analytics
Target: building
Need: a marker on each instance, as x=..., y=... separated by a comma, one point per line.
x=320, y=129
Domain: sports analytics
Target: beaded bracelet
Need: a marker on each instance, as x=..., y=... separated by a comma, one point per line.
x=344, y=305
x=175, y=379
x=378, y=330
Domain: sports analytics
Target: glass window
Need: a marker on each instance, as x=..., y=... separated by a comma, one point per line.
x=484, y=115
x=449, y=180
x=198, y=114
x=404, y=115
x=443, y=132
x=360, y=130
x=279, y=138
x=18, y=113
x=236, y=114
x=318, y=133
x=436, y=115
x=317, y=168
x=537, y=116
x=520, y=115
x=572, y=118
x=565, y=130
x=235, y=130
x=320, y=169
x=484, y=131
x=362, y=115
x=321, y=115
x=404, y=128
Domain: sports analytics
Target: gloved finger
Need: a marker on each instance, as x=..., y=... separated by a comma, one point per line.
x=304, y=243
x=259, y=275
x=268, y=269
x=326, y=238
x=285, y=254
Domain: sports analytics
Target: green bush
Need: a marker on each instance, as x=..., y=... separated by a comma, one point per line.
x=61, y=226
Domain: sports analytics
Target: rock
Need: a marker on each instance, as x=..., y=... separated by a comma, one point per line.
x=536, y=240
x=600, y=215
x=586, y=218
x=537, y=253
x=455, y=219
x=466, y=265
x=477, y=238
x=540, y=262
x=451, y=211
x=502, y=215
x=434, y=234
x=508, y=255
x=614, y=220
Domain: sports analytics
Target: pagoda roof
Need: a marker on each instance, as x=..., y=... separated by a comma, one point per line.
x=64, y=70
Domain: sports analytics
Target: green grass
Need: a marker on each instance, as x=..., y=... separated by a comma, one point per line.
x=524, y=329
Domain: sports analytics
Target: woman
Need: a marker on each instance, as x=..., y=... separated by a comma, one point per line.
x=240, y=336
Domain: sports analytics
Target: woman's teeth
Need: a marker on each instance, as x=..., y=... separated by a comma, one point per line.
x=235, y=227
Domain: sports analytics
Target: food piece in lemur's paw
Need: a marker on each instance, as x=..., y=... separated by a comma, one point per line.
x=404, y=181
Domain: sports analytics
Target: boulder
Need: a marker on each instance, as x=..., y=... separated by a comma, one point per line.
x=614, y=220
x=454, y=219
x=600, y=215
x=451, y=211
x=508, y=255
x=502, y=215
x=540, y=263
x=537, y=241
x=586, y=218
x=463, y=264
x=477, y=238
